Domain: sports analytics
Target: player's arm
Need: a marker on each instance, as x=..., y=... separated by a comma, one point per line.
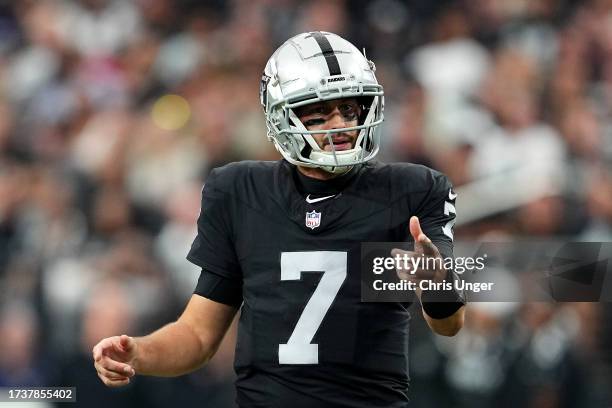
x=444, y=311
x=432, y=233
x=189, y=342
x=436, y=312
x=175, y=349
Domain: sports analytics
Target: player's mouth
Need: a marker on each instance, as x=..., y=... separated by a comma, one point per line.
x=340, y=143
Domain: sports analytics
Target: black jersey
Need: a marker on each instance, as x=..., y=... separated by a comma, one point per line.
x=304, y=338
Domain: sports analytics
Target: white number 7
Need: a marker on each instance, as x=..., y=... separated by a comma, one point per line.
x=299, y=349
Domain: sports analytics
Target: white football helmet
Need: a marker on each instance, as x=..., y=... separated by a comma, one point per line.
x=314, y=67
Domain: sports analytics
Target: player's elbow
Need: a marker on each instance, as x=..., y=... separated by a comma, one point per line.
x=202, y=347
x=207, y=350
x=204, y=324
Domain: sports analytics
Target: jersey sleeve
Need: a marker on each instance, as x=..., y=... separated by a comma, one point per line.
x=219, y=288
x=213, y=248
x=437, y=214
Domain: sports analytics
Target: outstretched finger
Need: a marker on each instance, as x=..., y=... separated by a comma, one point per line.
x=99, y=349
x=422, y=240
x=415, y=229
x=401, y=252
x=97, y=354
x=403, y=265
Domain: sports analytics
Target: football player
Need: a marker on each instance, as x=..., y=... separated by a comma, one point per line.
x=281, y=242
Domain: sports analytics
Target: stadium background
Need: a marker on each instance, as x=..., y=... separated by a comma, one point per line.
x=113, y=112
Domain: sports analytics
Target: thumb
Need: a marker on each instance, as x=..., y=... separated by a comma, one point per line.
x=127, y=343
x=422, y=243
x=416, y=231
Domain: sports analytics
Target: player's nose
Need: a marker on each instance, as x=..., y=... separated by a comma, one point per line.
x=336, y=120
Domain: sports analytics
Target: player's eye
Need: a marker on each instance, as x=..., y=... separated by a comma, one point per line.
x=348, y=111
x=314, y=122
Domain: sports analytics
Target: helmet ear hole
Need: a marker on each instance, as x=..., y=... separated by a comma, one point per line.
x=368, y=143
x=306, y=150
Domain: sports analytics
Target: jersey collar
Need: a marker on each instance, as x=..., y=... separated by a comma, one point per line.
x=308, y=185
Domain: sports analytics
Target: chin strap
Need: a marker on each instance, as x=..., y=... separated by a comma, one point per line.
x=338, y=170
x=339, y=157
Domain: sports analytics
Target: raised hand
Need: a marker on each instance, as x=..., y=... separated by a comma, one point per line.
x=114, y=359
x=423, y=248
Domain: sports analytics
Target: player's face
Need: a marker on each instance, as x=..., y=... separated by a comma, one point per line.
x=328, y=115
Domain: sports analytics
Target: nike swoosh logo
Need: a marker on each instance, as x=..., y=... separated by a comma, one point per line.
x=451, y=196
x=316, y=200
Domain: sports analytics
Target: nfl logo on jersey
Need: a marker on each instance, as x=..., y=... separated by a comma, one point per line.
x=313, y=219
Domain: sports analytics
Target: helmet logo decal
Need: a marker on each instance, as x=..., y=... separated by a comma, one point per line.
x=328, y=52
x=313, y=219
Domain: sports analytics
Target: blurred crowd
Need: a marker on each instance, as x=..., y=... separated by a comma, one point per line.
x=112, y=113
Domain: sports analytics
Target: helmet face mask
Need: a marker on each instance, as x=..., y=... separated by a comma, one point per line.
x=312, y=68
